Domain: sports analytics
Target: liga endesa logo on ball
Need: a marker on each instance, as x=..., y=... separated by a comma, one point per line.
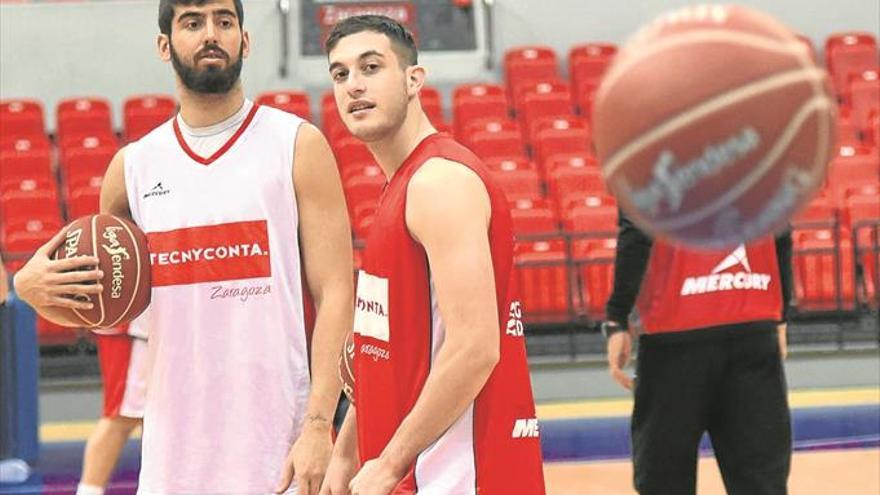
x=231, y=251
x=118, y=253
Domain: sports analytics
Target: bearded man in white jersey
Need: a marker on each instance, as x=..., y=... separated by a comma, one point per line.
x=240, y=394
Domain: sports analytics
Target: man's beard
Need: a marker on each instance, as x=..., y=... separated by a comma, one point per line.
x=210, y=80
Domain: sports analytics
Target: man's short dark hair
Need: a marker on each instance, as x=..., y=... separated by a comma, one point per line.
x=166, y=12
x=402, y=40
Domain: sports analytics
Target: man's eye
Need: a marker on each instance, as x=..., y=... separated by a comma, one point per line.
x=339, y=76
x=371, y=68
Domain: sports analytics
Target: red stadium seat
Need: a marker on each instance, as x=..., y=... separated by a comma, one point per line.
x=14, y=187
x=529, y=63
x=595, y=261
x=15, y=142
x=25, y=235
x=142, y=114
x=863, y=96
x=533, y=216
x=432, y=104
x=86, y=162
x=476, y=92
x=571, y=184
x=21, y=118
x=511, y=163
x=84, y=115
x=370, y=169
x=25, y=163
x=350, y=151
x=601, y=218
x=467, y=111
x=820, y=211
x=853, y=167
x=586, y=66
x=847, y=53
x=872, y=133
x=501, y=144
x=542, y=275
x=519, y=183
x=823, y=270
x=847, y=130
x=295, y=102
x=560, y=139
x=569, y=160
x=489, y=124
x=554, y=94
x=363, y=189
x=558, y=122
x=83, y=201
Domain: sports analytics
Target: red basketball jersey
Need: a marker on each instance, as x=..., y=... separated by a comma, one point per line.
x=494, y=447
x=686, y=289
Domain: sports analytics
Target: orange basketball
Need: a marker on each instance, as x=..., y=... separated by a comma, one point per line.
x=121, y=249
x=346, y=367
x=714, y=125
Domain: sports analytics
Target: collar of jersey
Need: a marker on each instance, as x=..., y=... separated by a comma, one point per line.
x=223, y=149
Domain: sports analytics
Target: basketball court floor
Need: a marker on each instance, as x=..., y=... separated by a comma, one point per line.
x=586, y=446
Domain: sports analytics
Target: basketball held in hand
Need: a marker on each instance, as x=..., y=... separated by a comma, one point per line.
x=121, y=249
x=714, y=125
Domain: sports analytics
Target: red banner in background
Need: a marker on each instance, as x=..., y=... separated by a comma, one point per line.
x=402, y=12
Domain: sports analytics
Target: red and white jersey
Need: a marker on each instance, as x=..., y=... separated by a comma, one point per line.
x=494, y=447
x=228, y=355
x=686, y=289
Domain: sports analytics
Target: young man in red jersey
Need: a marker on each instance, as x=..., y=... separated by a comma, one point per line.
x=710, y=359
x=443, y=396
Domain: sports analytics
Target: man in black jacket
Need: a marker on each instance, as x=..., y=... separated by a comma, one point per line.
x=710, y=359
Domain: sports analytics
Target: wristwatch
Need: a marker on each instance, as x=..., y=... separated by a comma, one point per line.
x=609, y=328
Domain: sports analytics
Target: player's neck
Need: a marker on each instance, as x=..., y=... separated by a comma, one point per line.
x=202, y=110
x=391, y=152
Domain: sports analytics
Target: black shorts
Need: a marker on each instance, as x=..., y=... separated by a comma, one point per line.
x=728, y=381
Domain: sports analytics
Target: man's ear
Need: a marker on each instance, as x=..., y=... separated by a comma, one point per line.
x=415, y=79
x=246, y=44
x=163, y=44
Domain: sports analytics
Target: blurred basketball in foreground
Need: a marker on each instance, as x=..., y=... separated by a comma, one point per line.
x=121, y=248
x=714, y=125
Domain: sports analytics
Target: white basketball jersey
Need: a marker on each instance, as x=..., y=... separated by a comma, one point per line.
x=229, y=374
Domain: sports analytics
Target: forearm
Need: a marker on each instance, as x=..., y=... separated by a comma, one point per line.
x=332, y=323
x=630, y=263
x=783, y=258
x=457, y=376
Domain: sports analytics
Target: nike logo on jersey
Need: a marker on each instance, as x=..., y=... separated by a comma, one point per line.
x=718, y=281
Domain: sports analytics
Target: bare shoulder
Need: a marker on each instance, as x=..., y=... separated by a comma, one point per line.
x=310, y=140
x=446, y=179
x=446, y=196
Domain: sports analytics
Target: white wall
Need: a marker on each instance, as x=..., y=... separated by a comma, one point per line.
x=56, y=50
x=560, y=23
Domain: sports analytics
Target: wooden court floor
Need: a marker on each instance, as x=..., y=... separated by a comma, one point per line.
x=839, y=472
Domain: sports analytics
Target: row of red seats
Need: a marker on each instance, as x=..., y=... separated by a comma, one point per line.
x=832, y=272
x=85, y=115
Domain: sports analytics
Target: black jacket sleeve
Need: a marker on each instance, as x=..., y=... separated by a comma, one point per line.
x=783, y=257
x=630, y=263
